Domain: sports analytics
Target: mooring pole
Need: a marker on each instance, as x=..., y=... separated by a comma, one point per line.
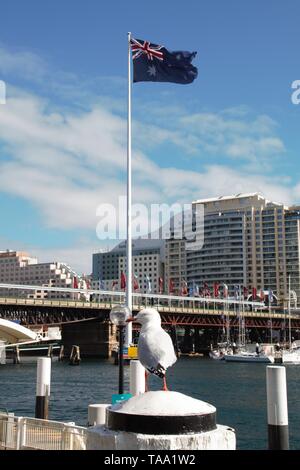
x=278, y=429
x=137, y=378
x=43, y=387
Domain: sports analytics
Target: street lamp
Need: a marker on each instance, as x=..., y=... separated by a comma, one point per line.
x=118, y=316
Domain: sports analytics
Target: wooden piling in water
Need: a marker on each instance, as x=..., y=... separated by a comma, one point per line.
x=16, y=353
x=50, y=351
x=61, y=353
x=75, y=356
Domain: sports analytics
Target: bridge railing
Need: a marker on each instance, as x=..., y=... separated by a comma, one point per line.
x=95, y=299
x=120, y=295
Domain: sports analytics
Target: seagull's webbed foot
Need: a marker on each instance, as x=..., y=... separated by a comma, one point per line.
x=146, y=381
x=165, y=388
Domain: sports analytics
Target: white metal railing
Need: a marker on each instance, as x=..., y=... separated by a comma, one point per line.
x=108, y=298
x=8, y=431
x=121, y=295
x=30, y=433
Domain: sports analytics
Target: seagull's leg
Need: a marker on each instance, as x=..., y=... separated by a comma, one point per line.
x=165, y=388
x=146, y=381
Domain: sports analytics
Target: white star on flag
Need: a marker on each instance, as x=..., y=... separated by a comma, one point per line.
x=152, y=71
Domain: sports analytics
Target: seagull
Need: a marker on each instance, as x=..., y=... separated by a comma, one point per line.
x=155, y=348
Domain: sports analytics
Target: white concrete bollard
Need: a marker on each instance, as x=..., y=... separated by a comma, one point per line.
x=161, y=421
x=278, y=430
x=43, y=387
x=97, y=414
x=137, y=378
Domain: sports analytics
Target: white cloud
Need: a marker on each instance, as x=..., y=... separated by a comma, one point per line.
x=254, y=149
x=23, y=63
x=234, y=135
x=66, y=162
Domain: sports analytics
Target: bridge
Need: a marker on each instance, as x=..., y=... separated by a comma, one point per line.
x=192, y=315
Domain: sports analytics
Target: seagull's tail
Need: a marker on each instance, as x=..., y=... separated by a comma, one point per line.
x=159, y=370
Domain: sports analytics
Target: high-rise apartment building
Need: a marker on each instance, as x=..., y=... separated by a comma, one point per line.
x=175, y=266
x=248, y=241
x=147, y=268
x=244, y=243
x=147, y=264
x=292, y=247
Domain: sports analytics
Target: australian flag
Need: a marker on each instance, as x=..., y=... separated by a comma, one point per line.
x=153, y=63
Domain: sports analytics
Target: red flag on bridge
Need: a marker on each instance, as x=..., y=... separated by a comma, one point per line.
x=184, y=288
x=216, y=289
x=171, y=286
x=161, y=285
x=262, y=295
x=123, y=280
x=225, y=291
x=206, y=291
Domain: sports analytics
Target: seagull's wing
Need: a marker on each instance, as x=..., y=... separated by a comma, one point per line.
x=156, y=349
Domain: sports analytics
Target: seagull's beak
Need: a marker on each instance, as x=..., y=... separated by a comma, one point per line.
x=130, y=319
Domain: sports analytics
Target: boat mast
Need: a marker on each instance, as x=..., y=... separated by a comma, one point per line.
x=270, y=316
x=227, y=323
x=243, y=322
x=240, y=336
x=289, y=312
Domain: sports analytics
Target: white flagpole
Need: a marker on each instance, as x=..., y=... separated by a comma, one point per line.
x=128, y=338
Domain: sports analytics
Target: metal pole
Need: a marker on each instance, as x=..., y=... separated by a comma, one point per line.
x=128, y=339
x=278, y=430
x=121, y=359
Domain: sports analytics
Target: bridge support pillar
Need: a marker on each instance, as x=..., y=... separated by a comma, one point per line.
x=95, y=338
x=187, y=345
x=197, y=339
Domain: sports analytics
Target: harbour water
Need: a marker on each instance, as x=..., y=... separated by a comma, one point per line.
x=237, y=390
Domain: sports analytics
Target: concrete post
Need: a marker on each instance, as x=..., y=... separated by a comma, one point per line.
x=97, y=414
x=159, y=421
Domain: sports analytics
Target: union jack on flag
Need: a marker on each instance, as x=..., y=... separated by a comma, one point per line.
x=144, y=47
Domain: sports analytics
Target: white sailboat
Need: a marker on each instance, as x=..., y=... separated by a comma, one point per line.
x=219, y=353
x=247, y=356
x=240, y=353
x=223, y=347
x=292, y=354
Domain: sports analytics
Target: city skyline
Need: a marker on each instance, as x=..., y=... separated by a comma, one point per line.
x=63, y=127
x=248, y=241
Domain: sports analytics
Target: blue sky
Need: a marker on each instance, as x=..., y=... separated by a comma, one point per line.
x=63, y=128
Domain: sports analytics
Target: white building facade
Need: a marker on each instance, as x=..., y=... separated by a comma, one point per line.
x=18, y=267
